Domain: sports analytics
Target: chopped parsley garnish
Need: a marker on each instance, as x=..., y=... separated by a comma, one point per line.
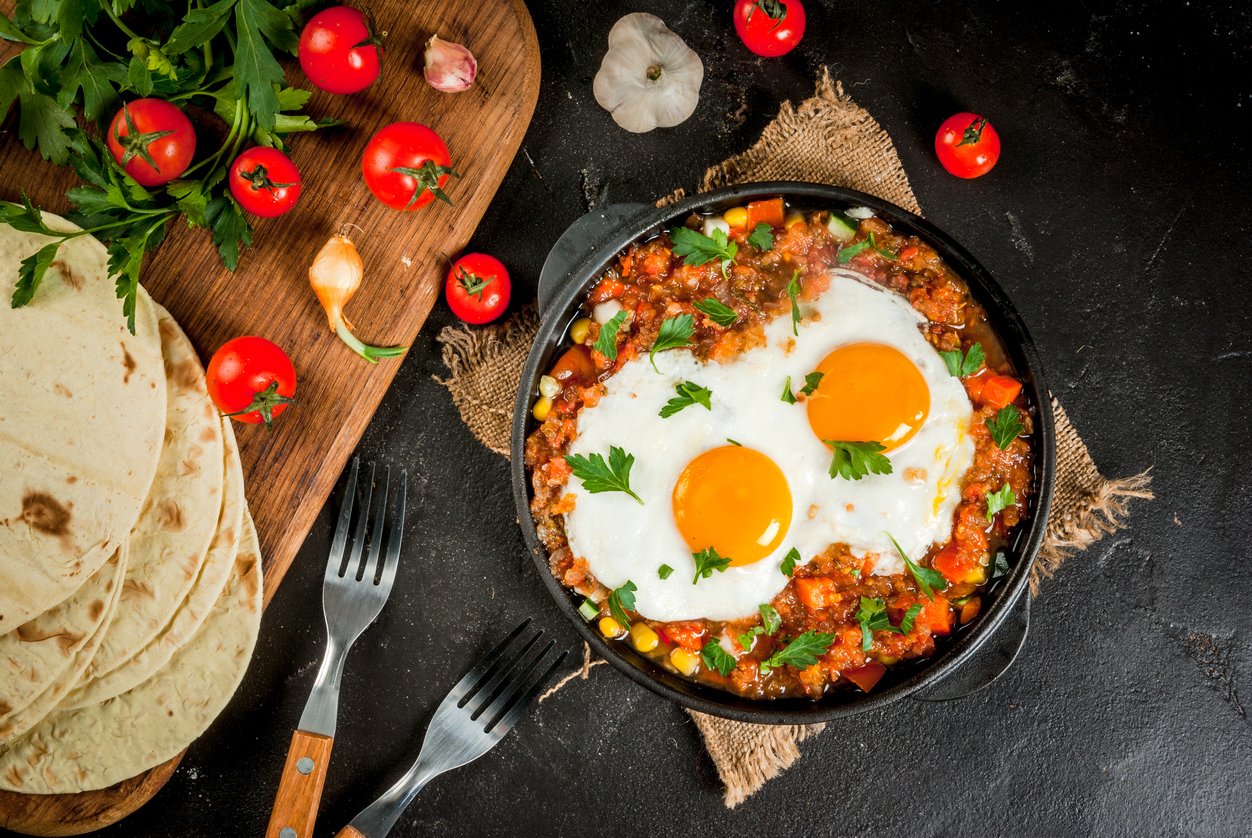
x=700, y=249
x=997, y=501
x=790, y=561
x=606, y=343
x=675, y=332
x=732, y=442
x=622, y=600
x=1006, y=426
x=854, y=460
x=793, y=291
x=664, y=571
x=927, y=579
x=801, y=652
x=762, y=238
x=722, y=315
x=788, y=396
x=707, y=561
x=1001, y=567
x=598, y=477
x=960, y=365
x=811, y=382
x=715, y=657
x=845, y=254
x=770, y=623
x=689, y=393
x=872, y=615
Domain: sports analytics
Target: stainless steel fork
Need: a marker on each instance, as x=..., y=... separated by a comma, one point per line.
x=480, y=710
x=353, y=593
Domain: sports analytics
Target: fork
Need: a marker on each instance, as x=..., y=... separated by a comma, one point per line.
x=480, y=710
x=353, y=593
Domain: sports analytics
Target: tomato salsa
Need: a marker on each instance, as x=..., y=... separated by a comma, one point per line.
x=835, y=625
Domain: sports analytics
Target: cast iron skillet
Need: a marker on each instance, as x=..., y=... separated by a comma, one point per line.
x=976, y=654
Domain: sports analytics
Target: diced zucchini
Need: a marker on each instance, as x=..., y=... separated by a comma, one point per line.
x=841, y=227
x=589, y=610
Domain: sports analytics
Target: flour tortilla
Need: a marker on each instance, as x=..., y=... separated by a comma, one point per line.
x=194, y=609
x=82, y=418
x=34, y=712
x=97, y=746
x=35, y=653
x=171, y=538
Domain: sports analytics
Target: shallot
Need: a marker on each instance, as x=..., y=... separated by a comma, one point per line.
x=335, y=275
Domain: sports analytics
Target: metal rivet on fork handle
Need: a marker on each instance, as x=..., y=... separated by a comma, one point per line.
x=287, y=832
x=304, y=765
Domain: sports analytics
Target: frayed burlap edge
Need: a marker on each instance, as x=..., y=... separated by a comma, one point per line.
x=758, y=758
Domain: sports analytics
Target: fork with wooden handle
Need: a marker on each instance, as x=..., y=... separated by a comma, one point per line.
x=352, y=596
x=480, y=710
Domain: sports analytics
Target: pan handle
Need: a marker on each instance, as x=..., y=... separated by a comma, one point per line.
x=581, y=238
x=989, y=662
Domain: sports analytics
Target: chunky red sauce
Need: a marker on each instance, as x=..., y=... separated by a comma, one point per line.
x=826, y=591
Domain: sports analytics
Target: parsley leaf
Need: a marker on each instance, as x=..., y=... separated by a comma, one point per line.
x=675, y=333
x=598, y=477
x=606, y=343
x=811, y=383
x=700, y=249
x=84, y=70
x=790, y=561
x=722, y=315
x=770, y=623
x=872, y=615
x=960, y=365
x=845, y=254
x=622, y=600
x=927, y=579
x=854, y=460
x=996, y=501
x=689, y=393
x=715, y=657
x=787, y=395
x=793, y=291
x=664, y=571
x=30, y=273
x=257, y=73
x=199, y=27
x=1006, y=426
x=732, y=442
x=707, y=561
x=762, y=238
x=800, y=653
x=231, y=231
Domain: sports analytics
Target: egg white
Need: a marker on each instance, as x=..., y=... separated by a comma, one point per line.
x=624, y=541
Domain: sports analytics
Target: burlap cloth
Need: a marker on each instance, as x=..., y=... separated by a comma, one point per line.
x=828, y=139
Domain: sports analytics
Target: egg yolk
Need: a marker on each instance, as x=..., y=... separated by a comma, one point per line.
x=735, y=500
x=869, y=392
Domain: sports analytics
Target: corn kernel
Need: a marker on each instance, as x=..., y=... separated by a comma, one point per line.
x=578, y=331
x=737, y=217
x=794, y=218
x=548, y=386
x=542, y=408
x=685, y=661
x=643, y=638
x=610, y=627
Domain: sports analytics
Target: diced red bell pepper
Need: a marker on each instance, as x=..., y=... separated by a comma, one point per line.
x=575, y=366
x=817, y=591
x=954, y=563
x=689, y=635
x=999, y=391
x=866, y=676
x=765, y=212
x=936, y=615
x=608, y=289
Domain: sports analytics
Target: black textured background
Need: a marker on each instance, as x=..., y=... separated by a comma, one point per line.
x=1114, y=220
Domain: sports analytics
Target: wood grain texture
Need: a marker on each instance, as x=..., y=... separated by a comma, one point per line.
x=349, y=832
x=290, y=471
x=299, y=795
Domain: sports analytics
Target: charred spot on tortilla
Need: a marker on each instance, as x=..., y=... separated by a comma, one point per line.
x=245, y=567
x=137, y=587
x=187, y=375
x=208, y=433
x=170, y=516
x=94, y=609
x=129, y=363
x=72, y=279
x=72, y=479
x=45, y=514
x=61, y=390
x=66, y=639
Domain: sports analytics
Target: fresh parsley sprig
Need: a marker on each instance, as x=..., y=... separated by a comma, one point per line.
x=606, y=342
x=811, y=382
x=598, y=477
x=845, y=254
x=700, y=249
x=854, y=460
x=998, y=501
x=707, y=561
x=770, y=623
x=622, y=600
x=960, y=366
x=715, y=657
x=720, y=314
x=872, y=615
x=790, y=561
x=1005, y=427
x=793, y=291
x=927, y=579
x=762, y=238
x=788, y=396
x=800, y=653
x=675, y=333
x=664, y=571
x=689, y=393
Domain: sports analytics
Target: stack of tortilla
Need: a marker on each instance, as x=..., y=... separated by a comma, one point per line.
x=130, y=574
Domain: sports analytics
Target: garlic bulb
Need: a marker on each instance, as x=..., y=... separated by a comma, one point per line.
x=649, y=78
x=449, y=67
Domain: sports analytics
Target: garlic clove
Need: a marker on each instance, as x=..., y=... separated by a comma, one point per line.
x=449, y=67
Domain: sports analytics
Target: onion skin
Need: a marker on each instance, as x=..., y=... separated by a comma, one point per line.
x=335, y=275
x=450, y=67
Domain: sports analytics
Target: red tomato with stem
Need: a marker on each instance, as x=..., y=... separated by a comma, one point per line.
x=478, y=288
x=265, y=182
x=152, y=140
x=339, y=50
x=967, y=145
x=770, y=27
x=406, y=166
x=251, y=379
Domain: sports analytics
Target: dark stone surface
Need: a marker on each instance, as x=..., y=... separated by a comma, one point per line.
x=1113, y=221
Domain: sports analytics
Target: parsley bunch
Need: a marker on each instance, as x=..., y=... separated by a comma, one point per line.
x=83, y=56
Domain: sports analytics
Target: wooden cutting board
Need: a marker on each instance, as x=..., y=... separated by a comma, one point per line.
x=291, y=469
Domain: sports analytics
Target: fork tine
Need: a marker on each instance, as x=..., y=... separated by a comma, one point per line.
x=499, y=681
x=362, y=522
x=376, y=543
x=394, y=535
x=345, y=519
x=501, y=724
x=471, y=679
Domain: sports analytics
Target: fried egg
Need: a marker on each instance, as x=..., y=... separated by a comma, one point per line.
x=750, y=478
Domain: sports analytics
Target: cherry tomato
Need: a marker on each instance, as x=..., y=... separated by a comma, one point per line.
x=339, y=50
x=478, y=288
x=770, y=27
x=967, y=145
x=152, y=140
x=265, y=182
x=251, y=379
x=406, y=166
